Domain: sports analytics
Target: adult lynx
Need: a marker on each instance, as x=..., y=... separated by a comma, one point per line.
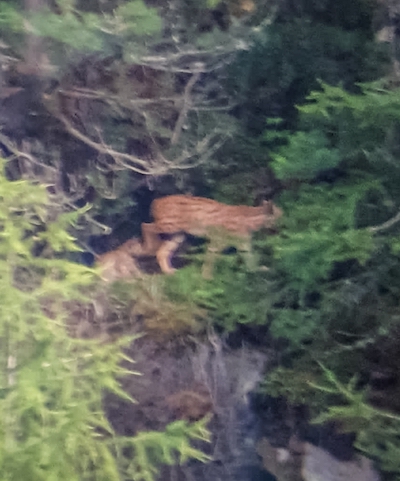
x=225, y=225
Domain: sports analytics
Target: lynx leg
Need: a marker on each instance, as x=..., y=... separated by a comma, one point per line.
x=244, y=248
x=249, y=257
x=166, y=251
x=209, y=261
x=134, y=268
x=151, y=239
x=130, y=268
x=250, y=261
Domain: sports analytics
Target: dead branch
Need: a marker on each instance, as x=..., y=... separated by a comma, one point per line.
x=132, y=162
x=20, y=154
x=386, y=225
x=90, y=94
x=103, y=148
x=59, y=198
x=219, y=55
x=185, y=107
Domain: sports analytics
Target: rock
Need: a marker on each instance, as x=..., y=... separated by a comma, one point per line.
x=280, y=462
x=296, y=446
x=319, y=465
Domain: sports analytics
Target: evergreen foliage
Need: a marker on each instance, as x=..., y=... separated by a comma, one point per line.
x=332, y=287
x=52, y=423
x=234, y=295
x=288, y=57
x=320, y=231
x=311, y=146
x=10, y=19
x=89, y=30
x=336, y=293
x=327, y=220
x=377, y=430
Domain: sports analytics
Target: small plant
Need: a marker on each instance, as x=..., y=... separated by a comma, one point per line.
x=234, y=296
x=290, y=384
x=377, y=430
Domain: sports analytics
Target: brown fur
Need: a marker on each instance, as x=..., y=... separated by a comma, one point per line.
x=119, y=263
x=177, y=215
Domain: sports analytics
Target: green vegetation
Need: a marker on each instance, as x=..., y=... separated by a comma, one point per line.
x=338, y=255
x=52, y=423
x=110, y=103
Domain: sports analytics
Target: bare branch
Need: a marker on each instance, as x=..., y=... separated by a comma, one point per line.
x=99, y=95
x=185, y=107
x=102, y=148
x=386, y=224
x=156, y=166
x=18, y=153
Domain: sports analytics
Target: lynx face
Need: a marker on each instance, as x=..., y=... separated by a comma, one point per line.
x=119, y=263
x=223, y=224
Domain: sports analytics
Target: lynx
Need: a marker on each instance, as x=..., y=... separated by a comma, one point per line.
x=119, y=263
x=225, y=225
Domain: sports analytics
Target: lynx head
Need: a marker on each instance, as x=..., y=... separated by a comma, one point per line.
x=132, y=246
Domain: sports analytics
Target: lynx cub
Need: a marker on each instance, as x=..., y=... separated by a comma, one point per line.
x=119, y=264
